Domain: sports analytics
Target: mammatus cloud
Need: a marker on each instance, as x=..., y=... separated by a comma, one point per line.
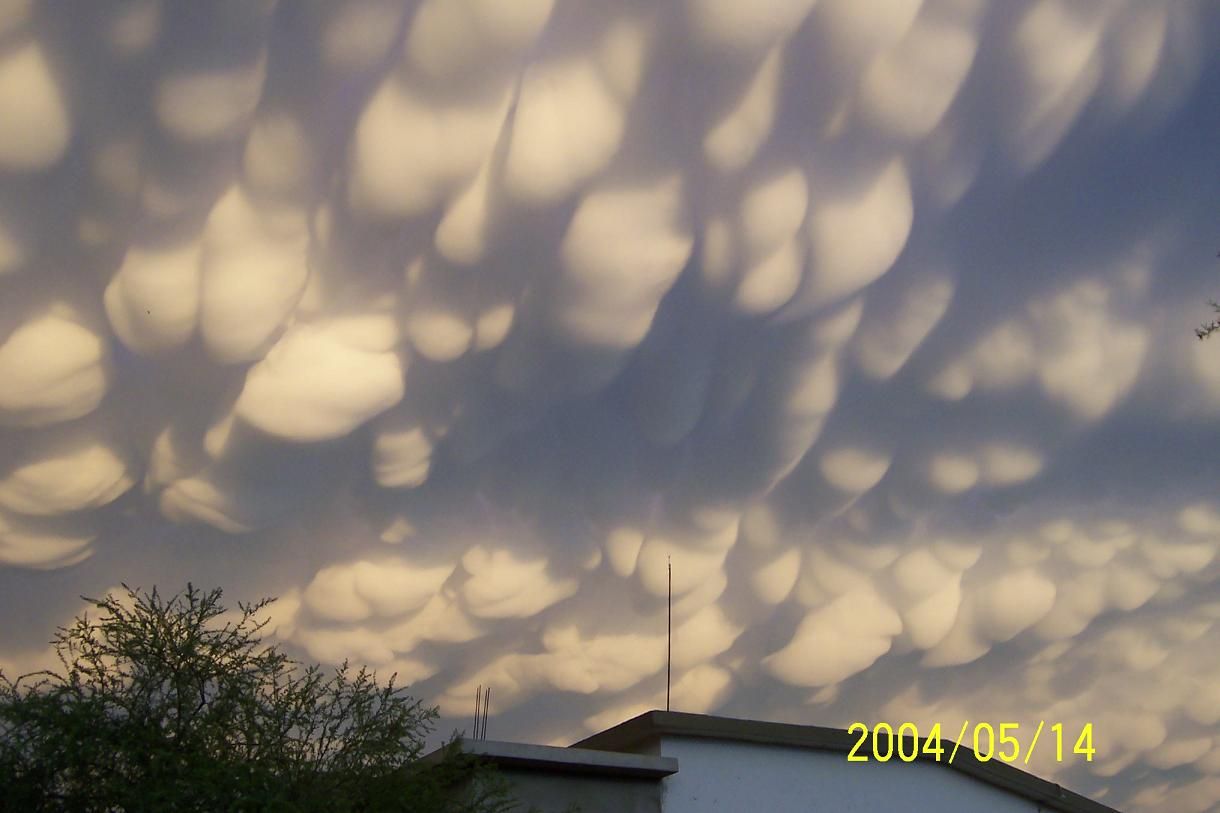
x=455, y=323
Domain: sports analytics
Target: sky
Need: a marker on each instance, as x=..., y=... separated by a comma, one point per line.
x=454, y=323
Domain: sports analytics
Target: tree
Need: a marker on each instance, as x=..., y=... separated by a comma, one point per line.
x=175, y=704
x=1208, y=328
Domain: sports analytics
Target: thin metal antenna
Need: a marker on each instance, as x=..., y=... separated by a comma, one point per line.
x=669, y=627
x=478, y=697
x=486, y=709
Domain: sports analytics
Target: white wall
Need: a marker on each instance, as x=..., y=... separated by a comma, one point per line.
x=735, y=776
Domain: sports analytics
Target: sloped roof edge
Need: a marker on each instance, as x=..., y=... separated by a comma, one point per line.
x=652, y=725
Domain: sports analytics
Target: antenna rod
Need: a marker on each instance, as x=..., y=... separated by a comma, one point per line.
x=486, y=709
x=669, y=627
x=478, y=697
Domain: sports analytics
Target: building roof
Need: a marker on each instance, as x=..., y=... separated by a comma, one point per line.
x=553, y=759
x=651, y=726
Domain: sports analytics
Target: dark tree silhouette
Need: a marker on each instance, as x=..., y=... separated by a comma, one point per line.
x=1208, y=328
x=175, y=704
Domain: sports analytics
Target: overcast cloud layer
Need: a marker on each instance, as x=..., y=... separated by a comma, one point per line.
x=449, y=322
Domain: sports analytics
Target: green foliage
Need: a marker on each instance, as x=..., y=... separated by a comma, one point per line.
x=175, y=704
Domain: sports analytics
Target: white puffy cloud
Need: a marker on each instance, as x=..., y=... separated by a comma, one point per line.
x=38, y=124
x=774, y=576
x=857, y=229
x=448, y=40
x=1008, y=464
x=854, y=469
x=1075, y=343
x=771, y=254
x=571, y=110
x=501, y=585
x=907, y=89
x=952, y=473
x=208, y=497
x=388, y=588
x=198, y=105
x=43, y=544
x=734, y=139
x=153, y=299
x=621, y=253
x=410, y=152
x=1055, y=70
x=254, y=270
x=858, y=31
x=835, y=642
x=62, y=472
x=1090, y=355
x=321, y=380
x=54, y=366
x=402, y=450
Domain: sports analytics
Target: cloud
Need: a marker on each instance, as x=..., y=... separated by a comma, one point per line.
x=473, y=329
x=322, y=380
x=503, y=586
x=837, y=641
x=33, y=103
x=54, y=366
x=43, y=544
x=61, y=472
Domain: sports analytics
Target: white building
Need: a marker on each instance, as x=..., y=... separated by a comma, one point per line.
x=686, y=763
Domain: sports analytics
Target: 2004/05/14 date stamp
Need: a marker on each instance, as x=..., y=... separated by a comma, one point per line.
x=1004, y=742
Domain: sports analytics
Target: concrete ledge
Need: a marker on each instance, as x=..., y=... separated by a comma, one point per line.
x=522, y=756
x=652, y=724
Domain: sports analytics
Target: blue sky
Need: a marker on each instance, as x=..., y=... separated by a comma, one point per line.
x=451, y=323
